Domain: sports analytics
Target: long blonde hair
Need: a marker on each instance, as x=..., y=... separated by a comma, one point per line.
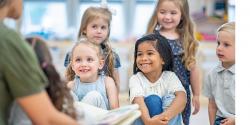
x=70, y=74
x=91, y=14
x=185, y=29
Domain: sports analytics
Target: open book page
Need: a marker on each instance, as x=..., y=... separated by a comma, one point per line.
x=91, y=115
x=122, y=116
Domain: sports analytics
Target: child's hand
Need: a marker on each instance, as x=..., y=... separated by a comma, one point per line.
x=228, y=121
x=158, y=120
x=196, y=104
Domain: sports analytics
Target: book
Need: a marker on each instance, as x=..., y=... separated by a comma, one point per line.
x=124, y=115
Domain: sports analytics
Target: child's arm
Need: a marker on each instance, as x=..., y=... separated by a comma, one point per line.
x=112, y=93
x=156, y=120
x=212, y=109
x=228, y=121
x=42, y=112
x=117, y=79
x=195, y=86
x=176, y=106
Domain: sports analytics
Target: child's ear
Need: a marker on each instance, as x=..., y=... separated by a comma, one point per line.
x=101, y=64
x=162, y=62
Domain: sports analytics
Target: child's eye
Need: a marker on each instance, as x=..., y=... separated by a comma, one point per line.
x=90, y=59
x=162, y=12
x=139, y=54
x=173, y=13
x=218, y=43
x=78, y=60
x=150, y=53
x=103, y=27
x=226, y=45
x=94, y=26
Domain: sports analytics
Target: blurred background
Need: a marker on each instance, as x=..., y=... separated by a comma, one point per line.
x=57, y=21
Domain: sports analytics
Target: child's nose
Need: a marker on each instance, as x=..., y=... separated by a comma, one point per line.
x=219, y=47
x=167, y=15
x=144, y=57
x=99, y=30
x=83, y=63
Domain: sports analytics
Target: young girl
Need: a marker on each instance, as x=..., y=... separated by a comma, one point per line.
x=86, y=83
x=156, y=89
x=95, y=26
x=171, y=21
x=219, y=85
x=56, y=89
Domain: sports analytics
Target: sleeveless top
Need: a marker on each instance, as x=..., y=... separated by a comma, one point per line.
x=81, y=89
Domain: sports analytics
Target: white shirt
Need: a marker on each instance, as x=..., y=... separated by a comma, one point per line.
x=220, y=86
x=140, y=86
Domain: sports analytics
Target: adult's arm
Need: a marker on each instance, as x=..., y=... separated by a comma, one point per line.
x=42, y=112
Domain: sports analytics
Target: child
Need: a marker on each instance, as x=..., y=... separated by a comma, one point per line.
x=86, y=83
x=156, y=89
x=219, y=85
x=56, y=89
x=171, y=21
x=95, y=26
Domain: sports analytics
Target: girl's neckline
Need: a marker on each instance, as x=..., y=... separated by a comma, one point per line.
x=89, y=81
x=155, y=82
x=169, y=38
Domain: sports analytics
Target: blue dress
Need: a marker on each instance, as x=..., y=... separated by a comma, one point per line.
x=182, y=73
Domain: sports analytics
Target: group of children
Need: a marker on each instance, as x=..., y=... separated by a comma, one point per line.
x=164, y=69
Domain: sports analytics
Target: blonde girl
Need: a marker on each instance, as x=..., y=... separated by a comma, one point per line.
x=171, y=21
x=86, y=82
x=95, y=26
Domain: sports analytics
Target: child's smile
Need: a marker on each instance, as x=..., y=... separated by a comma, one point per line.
x=148, y=59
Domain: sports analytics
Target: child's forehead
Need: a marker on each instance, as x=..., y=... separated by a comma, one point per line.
x=97, y=19
x=226, y=36
x=85, y=48
x=147, y=44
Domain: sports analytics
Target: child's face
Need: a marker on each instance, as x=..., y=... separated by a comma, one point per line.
x=97, y=30
x=86, y=62
x=148, y=59
x=168, y=15
x=226, y=48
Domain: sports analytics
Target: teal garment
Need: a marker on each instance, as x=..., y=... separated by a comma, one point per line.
x=20, y=74
x=81, y=89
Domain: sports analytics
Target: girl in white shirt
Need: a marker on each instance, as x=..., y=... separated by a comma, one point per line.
x=158, y=91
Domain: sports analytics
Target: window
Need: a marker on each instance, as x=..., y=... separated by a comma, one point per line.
x=141, y=19
x=45, y=18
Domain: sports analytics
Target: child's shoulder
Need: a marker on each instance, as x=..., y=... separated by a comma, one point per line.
x=168, y=73
x=108, y=79
x=214, y=70
x=70, y=84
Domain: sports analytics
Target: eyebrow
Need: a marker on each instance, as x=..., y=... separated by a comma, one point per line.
x=151, y=50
